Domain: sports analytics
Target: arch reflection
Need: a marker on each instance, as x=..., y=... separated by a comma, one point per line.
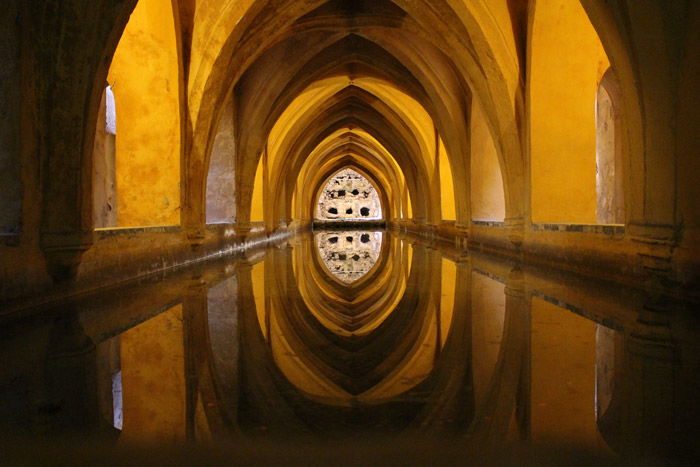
x=421, y=344
x=424, y=344
x=324, y=357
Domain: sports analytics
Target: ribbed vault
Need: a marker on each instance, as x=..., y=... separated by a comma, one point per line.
x=462, y=114
x=380, y=72
x=266, y=65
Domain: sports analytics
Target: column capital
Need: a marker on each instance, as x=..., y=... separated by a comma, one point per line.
x=63, y=252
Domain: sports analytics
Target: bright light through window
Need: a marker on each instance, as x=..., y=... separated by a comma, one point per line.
x=349, y=196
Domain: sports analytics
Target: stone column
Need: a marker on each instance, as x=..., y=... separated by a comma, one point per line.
x=632, y=33
x=68, y=78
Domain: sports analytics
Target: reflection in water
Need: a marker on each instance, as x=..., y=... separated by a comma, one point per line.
x=349, y=255
x=425, y=345
x=152, y=362
x=379, y=341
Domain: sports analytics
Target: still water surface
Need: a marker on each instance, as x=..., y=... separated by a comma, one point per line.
x=361, y=337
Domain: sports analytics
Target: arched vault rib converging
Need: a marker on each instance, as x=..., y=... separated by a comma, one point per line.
x=402, y=140
x=443, y=54
x=412, y=93
x=343, y=149
x=353, y=62
x=368, y=42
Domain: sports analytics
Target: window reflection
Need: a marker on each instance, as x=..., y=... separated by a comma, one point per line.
x=349, y=255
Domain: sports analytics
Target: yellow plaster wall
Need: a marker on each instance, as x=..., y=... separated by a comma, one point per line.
x=487, y=195
x=145, y=79
x=447, y=191
x=153, y=380
x=566, y=63
x=257, y=208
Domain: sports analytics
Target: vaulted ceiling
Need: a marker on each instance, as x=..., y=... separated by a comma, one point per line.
x=384, y=86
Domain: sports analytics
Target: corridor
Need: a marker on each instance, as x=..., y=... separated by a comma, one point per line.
x=407, y=230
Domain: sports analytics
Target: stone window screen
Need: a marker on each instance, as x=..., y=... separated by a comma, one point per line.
x=348, y=195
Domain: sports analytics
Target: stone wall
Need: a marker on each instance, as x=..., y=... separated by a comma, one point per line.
x=221, y=187
x=10, y=168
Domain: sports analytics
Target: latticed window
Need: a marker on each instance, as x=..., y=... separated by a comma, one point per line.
x=349, y=196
